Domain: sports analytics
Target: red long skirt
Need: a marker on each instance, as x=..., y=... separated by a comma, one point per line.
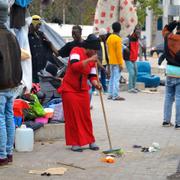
x=78, y=123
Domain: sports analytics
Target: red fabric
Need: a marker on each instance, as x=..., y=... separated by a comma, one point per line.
x=134, y=48
x=78, y=124
x=75, y=71
x=76, y=101
x=18, y=107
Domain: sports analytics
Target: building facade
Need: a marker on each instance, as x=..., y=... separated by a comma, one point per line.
x=171, y=11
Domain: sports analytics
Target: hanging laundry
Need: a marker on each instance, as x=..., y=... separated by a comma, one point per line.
x=23, y=3
x=17, y=16
x=109, y=11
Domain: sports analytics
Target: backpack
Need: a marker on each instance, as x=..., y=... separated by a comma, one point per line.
x=170, y=59
x=10, y=60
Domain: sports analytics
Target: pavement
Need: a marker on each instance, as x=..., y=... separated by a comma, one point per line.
x=136, y=121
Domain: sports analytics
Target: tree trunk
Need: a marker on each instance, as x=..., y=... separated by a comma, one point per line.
x=154, y=29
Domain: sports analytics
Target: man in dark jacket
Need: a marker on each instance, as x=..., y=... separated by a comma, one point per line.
x=41, y=48
x=77, y=42
x=11, y=74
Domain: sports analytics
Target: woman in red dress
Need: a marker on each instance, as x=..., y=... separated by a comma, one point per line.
x=75, y=95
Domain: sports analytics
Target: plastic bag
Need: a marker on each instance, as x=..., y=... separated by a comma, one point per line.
x=36, y=107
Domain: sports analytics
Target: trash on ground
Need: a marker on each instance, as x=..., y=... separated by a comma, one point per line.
x=151, y=91
x=156, y=145
x=154, y=148
x=108, y=159
x=50, y=171
x=116, y=152
x=137, y=146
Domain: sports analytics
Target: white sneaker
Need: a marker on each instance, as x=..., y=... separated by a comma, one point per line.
x=132, y=91
x=95, y=93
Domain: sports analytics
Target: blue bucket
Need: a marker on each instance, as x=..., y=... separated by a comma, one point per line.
x=18, y=121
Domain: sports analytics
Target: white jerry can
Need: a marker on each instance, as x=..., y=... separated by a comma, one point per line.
x=24, y=139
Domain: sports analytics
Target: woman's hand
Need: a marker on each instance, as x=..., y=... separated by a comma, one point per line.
x=96, y=84
x=94, y=58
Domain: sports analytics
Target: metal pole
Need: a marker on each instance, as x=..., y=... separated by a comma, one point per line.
x=64, y=14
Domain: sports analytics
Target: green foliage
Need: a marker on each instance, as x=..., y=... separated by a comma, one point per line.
x=76, y=11
x=142, y=5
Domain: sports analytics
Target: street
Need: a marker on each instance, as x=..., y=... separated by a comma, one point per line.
x=136, y=121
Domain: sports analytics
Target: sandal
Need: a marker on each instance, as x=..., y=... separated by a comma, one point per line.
x=93, y=147
x=118, y=98
x=76, y=149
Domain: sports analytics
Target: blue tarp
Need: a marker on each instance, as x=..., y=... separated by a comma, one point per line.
x=23, y=3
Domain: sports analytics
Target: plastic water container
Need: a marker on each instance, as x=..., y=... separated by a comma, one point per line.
x=24, y=139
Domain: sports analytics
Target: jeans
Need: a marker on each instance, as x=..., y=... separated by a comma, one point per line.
x=132, y=70
x=114, y=81
x=102, y=79
x=172, y=94
x=7, y=127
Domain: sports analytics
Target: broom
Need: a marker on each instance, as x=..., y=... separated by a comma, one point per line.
x=111, y=150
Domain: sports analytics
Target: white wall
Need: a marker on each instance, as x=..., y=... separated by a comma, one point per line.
x=148, y=30
x=65, y=30
x=176, y=2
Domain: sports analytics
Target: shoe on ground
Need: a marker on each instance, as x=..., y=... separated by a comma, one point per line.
x=132, y=91
x=167, y=124
x=118, y=98
x=93, y=147
x=3, y=162
x=175, y=176
x=109, y=97
x=76, y=149
x=138, y=90
x=177, y=127
x=10, y=158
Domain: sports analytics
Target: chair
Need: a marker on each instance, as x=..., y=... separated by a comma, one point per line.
x=144, y=75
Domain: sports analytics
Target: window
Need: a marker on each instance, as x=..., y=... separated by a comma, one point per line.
x=144, y=26
x=159, y=24
x=161, y=1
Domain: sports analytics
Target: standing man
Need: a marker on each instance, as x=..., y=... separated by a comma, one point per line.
x=114, y=43
x=41, y=48
x=172, y=54
x=142, y=49
x=104, y=70
x=104, y=58
x=132, y=46
x=77, y=42
x=11, y=75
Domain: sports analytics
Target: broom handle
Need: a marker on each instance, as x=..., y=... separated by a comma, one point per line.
x=104, y=113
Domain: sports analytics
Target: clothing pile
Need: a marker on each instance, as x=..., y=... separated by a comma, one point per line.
x=28, y=110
